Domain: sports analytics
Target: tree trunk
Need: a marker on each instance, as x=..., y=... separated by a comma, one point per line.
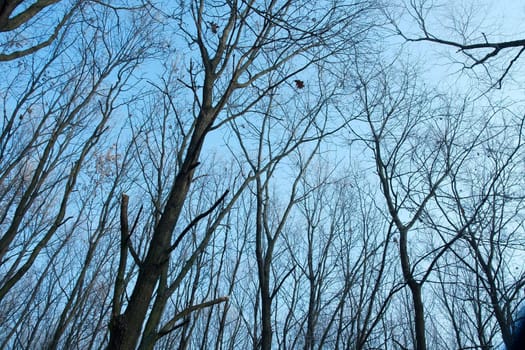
x=419, y=316
x=126, y=329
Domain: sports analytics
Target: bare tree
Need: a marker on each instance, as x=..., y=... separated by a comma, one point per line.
x=241, y=45
x=295, y=131
x=413, y=137
x=347, y=265
x=478, y=47
x=17, y=26
x=487, y=200
x=56, y=115
x=211, y=189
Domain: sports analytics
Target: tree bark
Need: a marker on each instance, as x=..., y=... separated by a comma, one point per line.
x=126, y=329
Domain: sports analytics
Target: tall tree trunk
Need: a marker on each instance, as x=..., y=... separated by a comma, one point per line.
x=415, y=290
x=419, y=316
x=263, y=267
x=126, y=329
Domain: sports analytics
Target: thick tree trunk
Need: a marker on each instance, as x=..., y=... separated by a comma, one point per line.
x=126, y=329
x=415, y=290
x=266, y=315
x=263, y=267
x=419, y=316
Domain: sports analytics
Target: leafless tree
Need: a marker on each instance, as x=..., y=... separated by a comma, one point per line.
x=345, y=278
x=218, y=191
x=18, y=22
x=243, y=46
x=477, y=46
x=56, y=114
x=484, y=204
x=413, y=137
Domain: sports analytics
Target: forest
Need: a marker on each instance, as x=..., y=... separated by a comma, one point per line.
x=261, y=174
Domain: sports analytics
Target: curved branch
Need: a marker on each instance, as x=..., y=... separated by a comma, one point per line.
x=28, y=51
